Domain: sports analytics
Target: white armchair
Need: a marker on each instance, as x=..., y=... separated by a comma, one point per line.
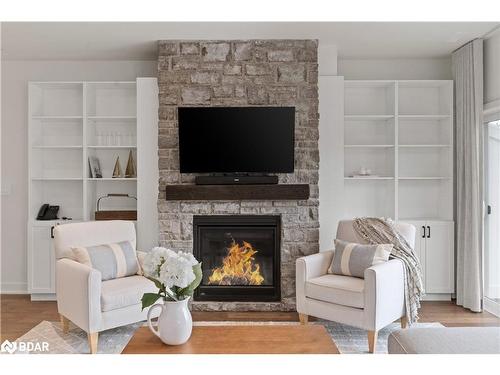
x=370, y=303
x=82, y=298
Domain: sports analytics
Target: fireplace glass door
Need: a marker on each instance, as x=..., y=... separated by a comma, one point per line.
x=240, y=257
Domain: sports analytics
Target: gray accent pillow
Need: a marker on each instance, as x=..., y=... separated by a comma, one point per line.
x=112, y=260
x=352, y=259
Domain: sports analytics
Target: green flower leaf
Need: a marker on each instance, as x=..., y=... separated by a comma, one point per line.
x=148, y=299
x=189, y=290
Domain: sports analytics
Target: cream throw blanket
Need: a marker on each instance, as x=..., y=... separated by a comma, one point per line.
x=381, y=231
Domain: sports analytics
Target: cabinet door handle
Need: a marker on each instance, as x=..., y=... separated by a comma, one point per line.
x=428, y=231
x=52, y=232
x=423, y=235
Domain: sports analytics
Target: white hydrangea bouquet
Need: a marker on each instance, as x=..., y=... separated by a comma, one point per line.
x=175, y=274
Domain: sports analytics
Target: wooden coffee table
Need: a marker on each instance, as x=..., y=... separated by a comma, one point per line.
x=233, y=339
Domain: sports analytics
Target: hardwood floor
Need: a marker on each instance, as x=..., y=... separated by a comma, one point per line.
x=18, y=315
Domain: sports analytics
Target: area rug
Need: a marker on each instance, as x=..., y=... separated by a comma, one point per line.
x=349, y=340
x=75, y=341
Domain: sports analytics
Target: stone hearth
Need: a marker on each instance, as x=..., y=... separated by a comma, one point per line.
x=242, y=73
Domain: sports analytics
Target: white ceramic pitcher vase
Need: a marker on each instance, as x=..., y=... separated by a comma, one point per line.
x=175, y=323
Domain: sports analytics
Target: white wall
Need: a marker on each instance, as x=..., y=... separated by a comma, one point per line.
x=331, y=158
x=15, y=77
x=327, y=59
x=395, y=68
x=492, y=68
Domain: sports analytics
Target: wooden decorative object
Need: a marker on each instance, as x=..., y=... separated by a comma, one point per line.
x=117, y=170
x=237, y=192
x=115, y=214
x=130, y=170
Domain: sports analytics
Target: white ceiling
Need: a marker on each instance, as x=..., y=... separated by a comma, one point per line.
x=137, y=40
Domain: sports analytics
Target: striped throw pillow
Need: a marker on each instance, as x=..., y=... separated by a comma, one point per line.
x=112, y=260
x=352, y=259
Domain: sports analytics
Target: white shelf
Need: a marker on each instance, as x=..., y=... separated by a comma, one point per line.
x=120, y=179
x=112, y=117
x=369, y=83
x=112, y=147
x=424, y=218
x=368, y=117
x=424, y=117
x=57, y=179
x=368, y=178
x=424, y=83
x=57, y=117
x=368, y=146
x=108, y=83
x=50, y=223
x=423, y=146
x=56, y=147
x=425, y=178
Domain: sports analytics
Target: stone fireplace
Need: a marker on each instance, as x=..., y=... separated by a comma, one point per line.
x=242, y=73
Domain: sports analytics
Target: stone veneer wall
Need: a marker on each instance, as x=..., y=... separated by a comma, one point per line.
x=242, y=73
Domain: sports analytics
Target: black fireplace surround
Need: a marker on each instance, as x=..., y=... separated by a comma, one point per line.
x=240, y=257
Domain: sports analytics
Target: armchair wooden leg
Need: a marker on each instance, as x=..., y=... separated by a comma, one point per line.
x=372, y=341
x=64, y=323
x=303, y=318
x=93, y=337
x=404, y=322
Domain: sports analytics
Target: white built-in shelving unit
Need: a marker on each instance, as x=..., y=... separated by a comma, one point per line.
x=68, y=123
x=402, y=131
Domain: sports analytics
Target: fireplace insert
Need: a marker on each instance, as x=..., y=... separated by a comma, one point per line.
x=240, y=257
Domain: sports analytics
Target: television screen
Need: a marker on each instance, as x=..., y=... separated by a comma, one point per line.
x=236, y=139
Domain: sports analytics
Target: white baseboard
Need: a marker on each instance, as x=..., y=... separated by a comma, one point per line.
x=492, y=307
x=437, y=297
x=44, y=297
x=493, y=291
x=14, y=288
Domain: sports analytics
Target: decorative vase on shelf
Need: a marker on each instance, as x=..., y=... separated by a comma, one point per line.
x=175, y=323
x=176, y=275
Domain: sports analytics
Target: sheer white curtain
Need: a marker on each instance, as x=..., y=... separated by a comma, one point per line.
x=467, y=65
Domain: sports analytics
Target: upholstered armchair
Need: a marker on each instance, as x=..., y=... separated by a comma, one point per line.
x=370, y=303
x=82, y=298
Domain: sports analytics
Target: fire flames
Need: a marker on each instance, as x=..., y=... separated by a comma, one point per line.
x=238, y=267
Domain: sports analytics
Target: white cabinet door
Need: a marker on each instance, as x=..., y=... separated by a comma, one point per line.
x=420, y=243
x=439, y=257
x=42, y=268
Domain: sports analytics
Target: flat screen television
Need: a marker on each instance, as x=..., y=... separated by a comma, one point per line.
x=236, y=139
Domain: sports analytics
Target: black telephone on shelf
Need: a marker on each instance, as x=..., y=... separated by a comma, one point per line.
x=47, y=212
